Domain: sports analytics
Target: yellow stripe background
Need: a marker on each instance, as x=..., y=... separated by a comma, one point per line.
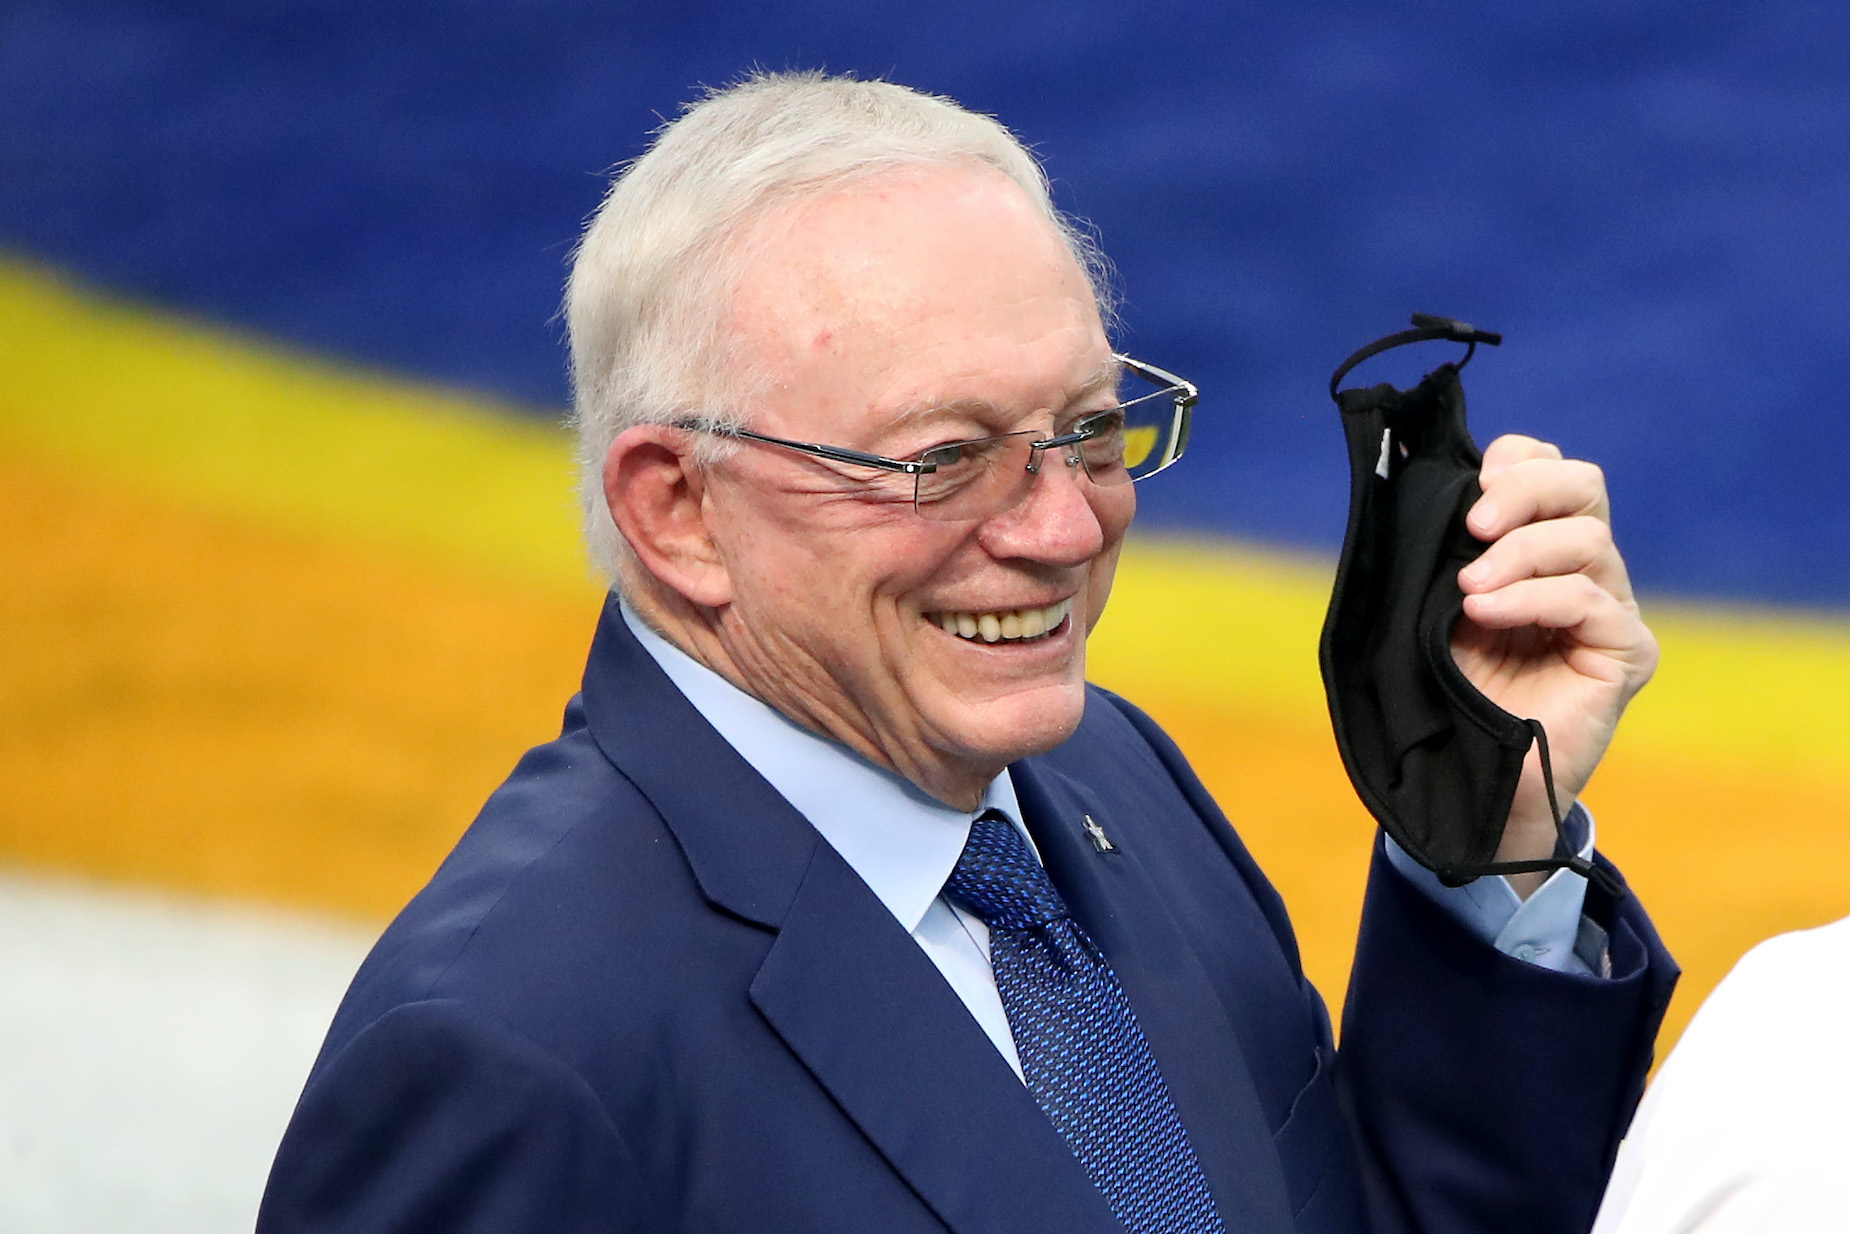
x=272, y=630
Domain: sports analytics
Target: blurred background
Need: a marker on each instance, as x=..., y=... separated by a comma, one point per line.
x=292, y=570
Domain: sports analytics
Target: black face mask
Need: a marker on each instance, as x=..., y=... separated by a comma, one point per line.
x=1434, y=761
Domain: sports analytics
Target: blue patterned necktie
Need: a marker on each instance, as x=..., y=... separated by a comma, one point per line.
x=1085, y=1059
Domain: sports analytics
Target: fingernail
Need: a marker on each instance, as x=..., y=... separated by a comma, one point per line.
x=1471, y=575
x=1483, y=516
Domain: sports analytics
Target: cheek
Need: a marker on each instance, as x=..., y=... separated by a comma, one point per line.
x=817, y=550
x=843, y=578
x=900, y=558
x=1115, y=508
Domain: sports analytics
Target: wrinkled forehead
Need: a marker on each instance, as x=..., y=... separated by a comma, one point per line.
x=980, y=398
x=921, y=289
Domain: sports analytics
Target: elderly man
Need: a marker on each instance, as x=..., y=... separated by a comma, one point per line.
x=842, y=902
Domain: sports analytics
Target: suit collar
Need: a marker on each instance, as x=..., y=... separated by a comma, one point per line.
x=748, y=847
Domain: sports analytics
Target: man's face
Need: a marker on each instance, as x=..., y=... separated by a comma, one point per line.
x=922, y=307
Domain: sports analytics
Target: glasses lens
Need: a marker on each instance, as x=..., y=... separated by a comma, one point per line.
x=975, y=479
x=1140, y=437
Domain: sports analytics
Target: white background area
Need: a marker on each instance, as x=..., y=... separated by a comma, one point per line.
x=151, y=1050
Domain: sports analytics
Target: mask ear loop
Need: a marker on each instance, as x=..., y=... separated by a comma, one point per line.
x=1607, y=880
x=1425, y=327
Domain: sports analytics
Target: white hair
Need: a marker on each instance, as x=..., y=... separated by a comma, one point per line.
x=648, y=295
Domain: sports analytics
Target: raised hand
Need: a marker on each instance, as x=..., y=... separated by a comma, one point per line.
x=1551, y=630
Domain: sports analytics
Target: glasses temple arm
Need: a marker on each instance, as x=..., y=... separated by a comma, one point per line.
x=836, y=454
x=1188, y=392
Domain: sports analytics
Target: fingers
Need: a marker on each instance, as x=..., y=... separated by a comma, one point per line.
x=1605, y=638
x=1560, y=602
x=1580, y=544
x=1551, y=561
x=1543, y=515
x=1512, y=448
x=1532, y=489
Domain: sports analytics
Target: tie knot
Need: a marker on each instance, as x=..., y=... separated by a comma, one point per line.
x=999, y=880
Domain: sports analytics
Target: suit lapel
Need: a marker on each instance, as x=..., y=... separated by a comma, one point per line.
x=1188, y=1030
x=845, y=987
x=854, y=997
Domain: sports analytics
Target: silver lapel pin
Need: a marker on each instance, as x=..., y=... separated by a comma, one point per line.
x=1096, y=834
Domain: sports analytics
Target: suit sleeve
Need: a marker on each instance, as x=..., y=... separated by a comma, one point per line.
x=1485, y=1092
x=435, y=1119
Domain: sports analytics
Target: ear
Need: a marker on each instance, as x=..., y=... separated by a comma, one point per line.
x=657, y=496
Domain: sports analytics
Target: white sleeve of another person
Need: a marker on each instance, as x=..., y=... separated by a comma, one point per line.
x=1747, y=1126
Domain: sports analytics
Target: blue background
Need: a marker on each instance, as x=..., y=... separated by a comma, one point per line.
x=1650, y=199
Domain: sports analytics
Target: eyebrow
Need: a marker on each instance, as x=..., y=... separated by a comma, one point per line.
x=1103, y=377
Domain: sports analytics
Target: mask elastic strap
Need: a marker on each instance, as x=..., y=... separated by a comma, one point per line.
x=1605, y=879
x=1425, y=327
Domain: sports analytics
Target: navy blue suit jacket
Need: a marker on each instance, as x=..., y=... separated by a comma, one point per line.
x=643, y=994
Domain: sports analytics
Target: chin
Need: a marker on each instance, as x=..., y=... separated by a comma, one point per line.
x=1028, y=723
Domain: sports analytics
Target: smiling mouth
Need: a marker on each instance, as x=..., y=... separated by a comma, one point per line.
x=1008, y=625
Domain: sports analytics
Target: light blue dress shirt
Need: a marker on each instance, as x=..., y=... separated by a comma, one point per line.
x=904, y=845
x=1548, y=929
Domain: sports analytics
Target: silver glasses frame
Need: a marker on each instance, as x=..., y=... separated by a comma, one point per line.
x=1184, y=393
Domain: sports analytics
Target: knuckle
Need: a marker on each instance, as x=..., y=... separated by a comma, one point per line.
x=1595, y=532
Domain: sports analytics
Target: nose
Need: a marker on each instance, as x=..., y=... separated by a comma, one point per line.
x=1069, y=452
x=1055, y=523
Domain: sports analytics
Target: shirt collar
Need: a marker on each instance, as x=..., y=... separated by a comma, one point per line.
x=903, y=843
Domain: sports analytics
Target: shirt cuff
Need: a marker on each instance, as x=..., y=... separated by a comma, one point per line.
x=1548, y=929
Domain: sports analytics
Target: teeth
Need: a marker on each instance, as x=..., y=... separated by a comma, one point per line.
x=1006, y=625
